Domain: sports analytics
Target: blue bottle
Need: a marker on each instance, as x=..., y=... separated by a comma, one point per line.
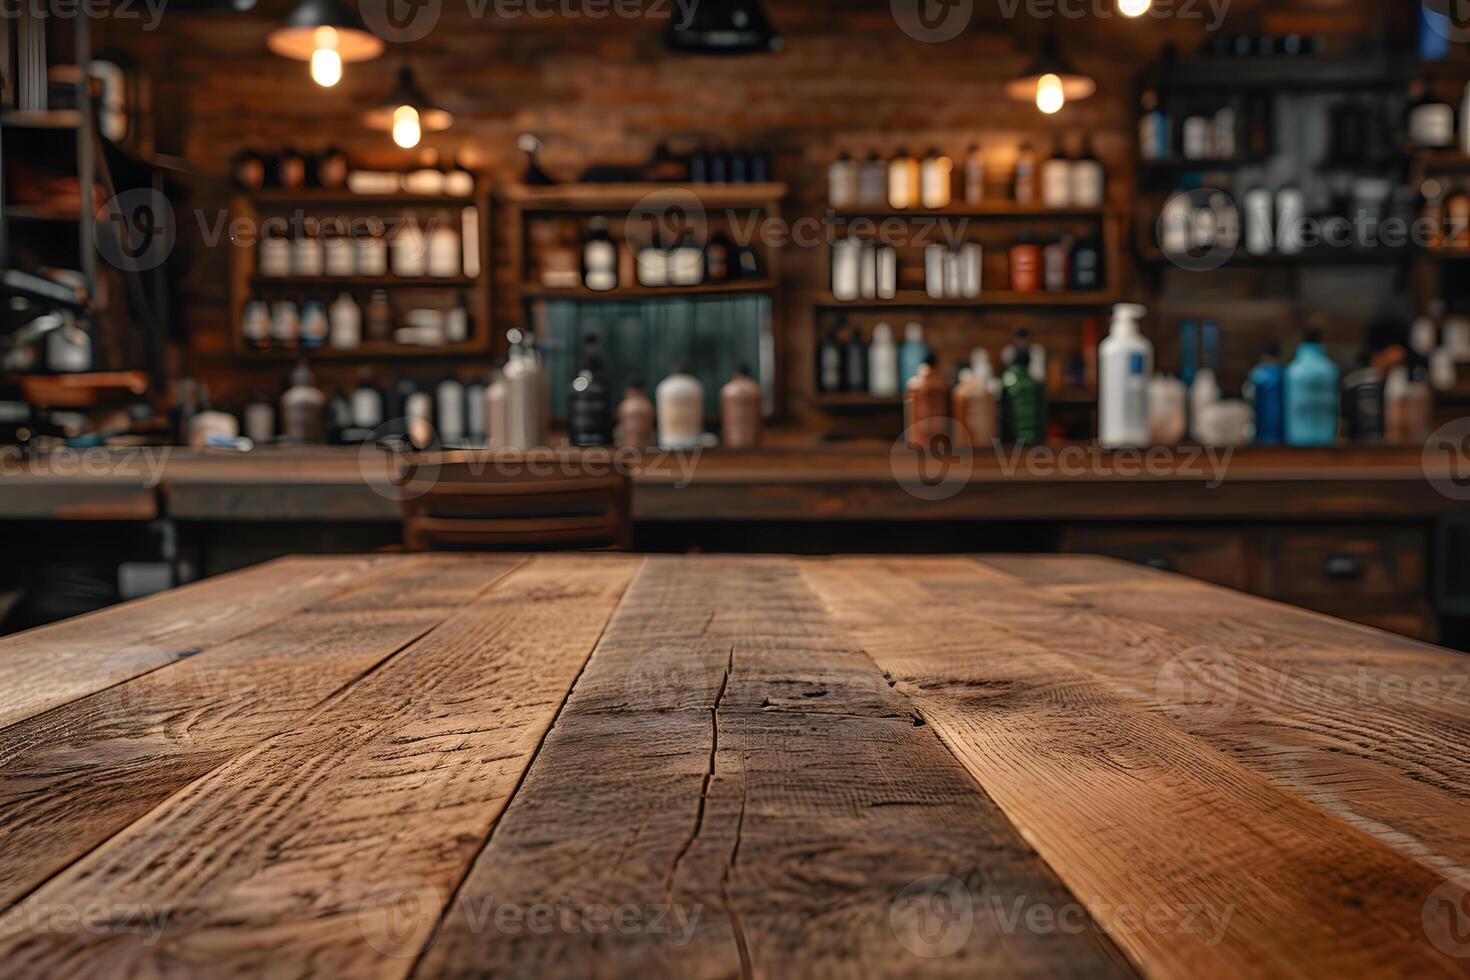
x=1266, y=394
x=1188, y=352
x=1311, y=395
x=911, y=353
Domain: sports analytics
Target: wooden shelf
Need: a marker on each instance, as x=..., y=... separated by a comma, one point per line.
x=368, y=352
x=42, y=119
x=854, y=401
x=537, y=291
x=595, y=198
x=364, y=282
x=82, y=390
x=990, y=298
x=311, y=196
x=997, y=210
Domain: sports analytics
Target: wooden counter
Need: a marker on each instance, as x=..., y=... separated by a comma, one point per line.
x=815, y=482
x=684, y=766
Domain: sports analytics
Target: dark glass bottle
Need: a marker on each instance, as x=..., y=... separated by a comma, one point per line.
x=589, y=407
x=1022, y=401
x=855, y=361
x=829, y=363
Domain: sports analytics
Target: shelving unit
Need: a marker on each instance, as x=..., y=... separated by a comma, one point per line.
x=988, y=299
x=326, y=204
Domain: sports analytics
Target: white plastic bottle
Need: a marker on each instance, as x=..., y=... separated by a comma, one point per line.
x=525, y=404
x=1125, y=363
x=680, y=411
x=883, y=363
x=346, y=321
x=1203, y=394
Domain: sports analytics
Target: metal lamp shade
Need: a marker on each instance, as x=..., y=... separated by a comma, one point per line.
x=1075, y=85
x=432, y=118
x=296, y=38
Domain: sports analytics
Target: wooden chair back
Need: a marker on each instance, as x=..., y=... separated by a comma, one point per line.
x=541, y=500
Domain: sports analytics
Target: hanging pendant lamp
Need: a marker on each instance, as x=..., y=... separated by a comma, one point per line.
x=408, y=112
x=327, y=34
x=1050, y=81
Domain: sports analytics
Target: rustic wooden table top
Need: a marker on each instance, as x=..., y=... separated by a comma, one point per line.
x=718, y=767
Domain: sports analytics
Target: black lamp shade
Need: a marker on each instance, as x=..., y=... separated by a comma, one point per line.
x=721, y=27
x=297, y=36
x=1075, y=85
x=432, y=118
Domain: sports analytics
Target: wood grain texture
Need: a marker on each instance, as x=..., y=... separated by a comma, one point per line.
x=298, y=856
x=740, y=782
x=77, y=774
x=51, y=665
x=1135, y=814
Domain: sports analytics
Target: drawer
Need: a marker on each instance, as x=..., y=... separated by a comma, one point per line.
x=1220, y=557
x=1337, y=563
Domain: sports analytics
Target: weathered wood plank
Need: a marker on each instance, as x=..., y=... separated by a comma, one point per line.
x=1133, y=812
x=51, y=665
x=293, y=857
x=734, y=789
x=73, y=776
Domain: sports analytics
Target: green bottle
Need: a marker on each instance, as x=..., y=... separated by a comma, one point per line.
x=1022, y=401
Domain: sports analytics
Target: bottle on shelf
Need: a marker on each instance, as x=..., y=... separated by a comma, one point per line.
x=1086, y=266
x=718, y=252
x=842, y=182
x=1023, y=183
x=1199, y=137
x=1260, y=233
x=740, y=410
x=1408, y=403
x=303, y=407
x=653, y=262
x=1022, y=398
x=210, y=426
x=1363, y=401
x=1168, y=410
x=903, y=181
x=872, y=182
x=365, y=405
x=855, y=361
x=497, y=410
x=680, y=411
x=1431, y=121
x=255, y=325
x=1125, y=362
x=599, y=256
x=1266, y=392
x=1155, y=138
x=1311, y=385
x=830, y=363
x=314, y=325
x=973, y=402
x=476, y=425
x=1055, y=265
x=379, y=317
x=285, y=325
x=1056, y=179
x=1291, y=209
x=926, y=405
x=345, y=319
x=936, y=180
x=634, y=417
x=418, y=417
x=457, y=321
x=525, y=394
x=589, y=405
x=442, y=246
x=913, y=352
x=1088, y=178
x=847, y=262
x=1026, y=262
x=883, y=363
x=974, y=176
x=260, y=419
x=449, y=411
x=686, y=263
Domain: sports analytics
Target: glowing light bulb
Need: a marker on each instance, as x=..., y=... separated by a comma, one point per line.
x=1134, y=8
x=326, y=60
x=406, y=129
x=1050, y=97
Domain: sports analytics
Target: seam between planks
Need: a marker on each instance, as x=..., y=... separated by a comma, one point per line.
x=495, y=824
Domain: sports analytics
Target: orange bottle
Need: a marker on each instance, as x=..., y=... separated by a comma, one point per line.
x=926, y=406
